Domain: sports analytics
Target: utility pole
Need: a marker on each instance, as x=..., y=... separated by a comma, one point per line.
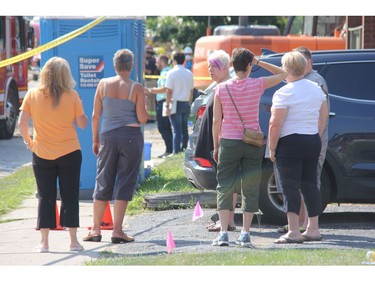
x=209, y=28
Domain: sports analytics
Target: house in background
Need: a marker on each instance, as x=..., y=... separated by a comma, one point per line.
x=360, y=32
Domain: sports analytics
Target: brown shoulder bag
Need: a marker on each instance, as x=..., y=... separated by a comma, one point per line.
x=249, y=136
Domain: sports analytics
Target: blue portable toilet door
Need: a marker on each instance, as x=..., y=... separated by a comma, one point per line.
x=90, y=56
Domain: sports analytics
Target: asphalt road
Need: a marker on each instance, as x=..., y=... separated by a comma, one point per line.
x=14, y=154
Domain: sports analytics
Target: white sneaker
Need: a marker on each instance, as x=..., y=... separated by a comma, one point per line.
x=221, y=240
x=244, y=240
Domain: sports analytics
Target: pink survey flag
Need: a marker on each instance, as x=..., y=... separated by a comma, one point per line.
x=198, y=212
x=170, y=242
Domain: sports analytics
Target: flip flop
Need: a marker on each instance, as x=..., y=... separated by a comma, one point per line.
x=214, y=227
x=41, y=249
x=284, y=229
x=210, y=225
x=307, y=238
x=286, y=240
x=78, y=248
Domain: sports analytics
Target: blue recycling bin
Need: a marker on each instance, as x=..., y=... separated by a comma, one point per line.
x=147, y=151
x=90, y=56
x=147, y=158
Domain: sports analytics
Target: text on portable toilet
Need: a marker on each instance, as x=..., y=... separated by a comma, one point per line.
x=91, y=70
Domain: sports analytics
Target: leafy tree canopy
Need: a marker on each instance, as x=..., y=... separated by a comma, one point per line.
x=175, y=33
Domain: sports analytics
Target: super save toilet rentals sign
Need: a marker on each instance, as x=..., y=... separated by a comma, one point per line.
x=91, y=70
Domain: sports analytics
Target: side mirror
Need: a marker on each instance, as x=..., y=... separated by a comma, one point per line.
x=201, y=92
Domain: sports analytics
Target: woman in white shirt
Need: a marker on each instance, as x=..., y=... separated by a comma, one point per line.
x=298, y=114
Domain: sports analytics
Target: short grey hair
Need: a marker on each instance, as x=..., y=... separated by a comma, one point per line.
x=123, y=60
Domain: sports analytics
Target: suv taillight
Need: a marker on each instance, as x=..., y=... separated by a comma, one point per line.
x=200, y=111
x=203, y=162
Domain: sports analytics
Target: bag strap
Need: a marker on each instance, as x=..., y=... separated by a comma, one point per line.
x=239, y=115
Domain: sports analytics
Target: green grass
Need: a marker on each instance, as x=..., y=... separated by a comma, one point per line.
x=166, y=177
x=276, y=257
x=15, y=188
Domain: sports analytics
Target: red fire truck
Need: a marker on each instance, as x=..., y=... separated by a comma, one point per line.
x=15, y=38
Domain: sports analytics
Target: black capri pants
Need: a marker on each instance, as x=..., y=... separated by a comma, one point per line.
x=297, y=158
x=66, y=170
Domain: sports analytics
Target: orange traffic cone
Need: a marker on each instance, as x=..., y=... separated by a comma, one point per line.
x=58, y=226
x=107, y=222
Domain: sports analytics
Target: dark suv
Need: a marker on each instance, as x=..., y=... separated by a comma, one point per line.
x=348, y=174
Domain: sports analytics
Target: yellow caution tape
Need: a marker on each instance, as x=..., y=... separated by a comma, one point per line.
x=158, y=76
x=53, y=43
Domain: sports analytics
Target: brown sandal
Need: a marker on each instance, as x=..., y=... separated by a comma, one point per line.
x=125, y=239
x=92, y=238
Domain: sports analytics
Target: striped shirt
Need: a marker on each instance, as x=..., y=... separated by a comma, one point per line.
x=246, y=94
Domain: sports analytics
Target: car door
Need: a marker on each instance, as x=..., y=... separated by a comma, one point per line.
x=351, y=149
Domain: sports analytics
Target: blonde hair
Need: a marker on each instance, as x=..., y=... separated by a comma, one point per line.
x=294, y=63
x=55, y=78
x=123, y=60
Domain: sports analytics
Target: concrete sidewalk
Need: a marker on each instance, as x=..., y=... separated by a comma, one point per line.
x=19, y=237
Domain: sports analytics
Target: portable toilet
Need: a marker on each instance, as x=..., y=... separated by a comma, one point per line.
x=90, y=56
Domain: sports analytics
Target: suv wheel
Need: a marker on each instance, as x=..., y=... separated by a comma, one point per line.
x=271, y=198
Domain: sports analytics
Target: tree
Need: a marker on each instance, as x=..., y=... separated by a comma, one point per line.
x=180, y=31
x=177, y=31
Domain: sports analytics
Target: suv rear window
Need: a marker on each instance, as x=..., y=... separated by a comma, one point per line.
x=351, y=80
